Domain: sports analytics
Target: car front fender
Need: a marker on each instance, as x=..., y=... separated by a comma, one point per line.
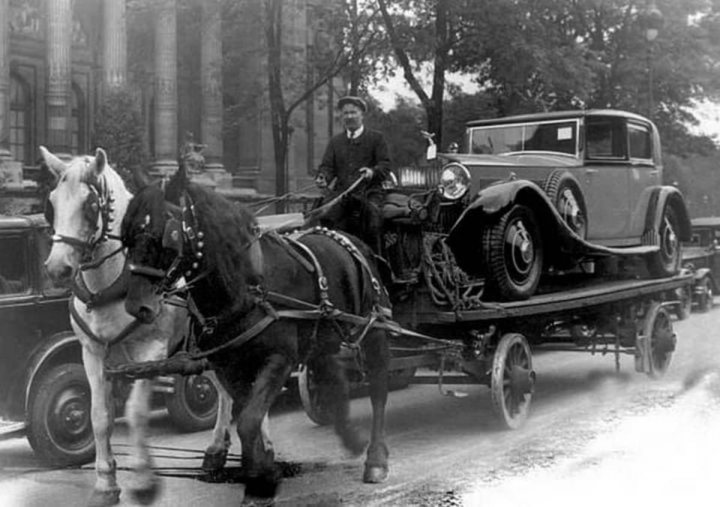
x=58, y=348
x=465, y=237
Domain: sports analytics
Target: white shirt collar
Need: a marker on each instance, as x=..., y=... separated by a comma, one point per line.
x=356, y=134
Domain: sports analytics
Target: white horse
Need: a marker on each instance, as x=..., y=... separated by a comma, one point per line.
x=88, y=203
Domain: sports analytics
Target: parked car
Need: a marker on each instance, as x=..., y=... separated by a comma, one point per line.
x=45, y=394
x=702, y=256
x=539, y=193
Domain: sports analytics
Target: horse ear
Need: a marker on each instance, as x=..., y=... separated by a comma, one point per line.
x=100, y=160
x=54, y=164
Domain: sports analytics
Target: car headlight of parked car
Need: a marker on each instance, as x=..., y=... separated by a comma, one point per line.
x=454, y=181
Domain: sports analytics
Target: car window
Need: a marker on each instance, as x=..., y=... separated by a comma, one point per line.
x=640, y=141
x=605, y=138
x=551, y=136
x=13, y=265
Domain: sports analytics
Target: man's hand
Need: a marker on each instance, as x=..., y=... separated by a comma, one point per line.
x=366, y=172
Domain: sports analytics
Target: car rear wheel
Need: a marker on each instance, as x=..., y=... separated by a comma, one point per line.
x=513, y=254
x=59, y=425
x=666, y=261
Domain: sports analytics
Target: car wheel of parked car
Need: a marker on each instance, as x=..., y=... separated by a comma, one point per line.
x=59, y=425
x=564, y=191
x=666, y=261
x=193, y=405
x=513, y=254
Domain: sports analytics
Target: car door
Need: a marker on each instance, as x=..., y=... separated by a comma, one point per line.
x=643, y=173
x=605, y=181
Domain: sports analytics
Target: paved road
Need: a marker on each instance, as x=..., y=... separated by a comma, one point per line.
x=595, y=437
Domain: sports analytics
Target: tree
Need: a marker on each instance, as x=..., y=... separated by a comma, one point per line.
x=345, y=37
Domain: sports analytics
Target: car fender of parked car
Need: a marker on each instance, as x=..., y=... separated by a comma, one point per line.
x=61, y=348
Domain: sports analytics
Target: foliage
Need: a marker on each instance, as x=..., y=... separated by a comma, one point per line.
x=401, y=128
x=119, y=130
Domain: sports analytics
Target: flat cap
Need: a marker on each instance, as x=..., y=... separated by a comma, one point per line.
x=352, y=99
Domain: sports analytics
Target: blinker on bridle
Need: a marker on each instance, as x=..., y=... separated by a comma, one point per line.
x=98, y=206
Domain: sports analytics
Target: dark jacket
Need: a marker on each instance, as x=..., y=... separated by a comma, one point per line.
x=343, y=157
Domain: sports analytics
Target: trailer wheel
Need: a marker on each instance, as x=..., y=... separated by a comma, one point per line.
x=312, y=402
x=59, y=426
x=661, y=340
x=666, y=262
x=705, y=297
x=512, y=381
x=514, y=254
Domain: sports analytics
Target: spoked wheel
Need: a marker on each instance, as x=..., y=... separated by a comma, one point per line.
x=310, y=395
x=512, y=381
x=564, y=192
x=705, y=299
x=666, y=262
x=514, y=254
x=661, y=340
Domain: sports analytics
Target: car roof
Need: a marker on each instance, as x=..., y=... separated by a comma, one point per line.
x=705, y=222
x=555, y=115
x=22, y=221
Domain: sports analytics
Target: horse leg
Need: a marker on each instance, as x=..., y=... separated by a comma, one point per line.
x=146, y=484
x=335, y=389
x=106, y=490
x=378, y=358
x=216, y=453
x=258, y=457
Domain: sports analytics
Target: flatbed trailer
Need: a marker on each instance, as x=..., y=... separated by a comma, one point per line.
x=491, y=343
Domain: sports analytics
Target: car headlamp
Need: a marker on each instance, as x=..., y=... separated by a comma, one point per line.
x=454, y=181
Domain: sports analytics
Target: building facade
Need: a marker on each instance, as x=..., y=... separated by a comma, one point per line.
x=59, y=57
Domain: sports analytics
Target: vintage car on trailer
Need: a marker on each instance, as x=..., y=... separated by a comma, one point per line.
x=44, y=392
x=545, y=193
x=702, y=256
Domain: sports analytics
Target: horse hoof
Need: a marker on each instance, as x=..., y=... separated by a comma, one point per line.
x=147, y=495
x=214, y=462
x=103, y=498
x=261, y=489
x=375, y=474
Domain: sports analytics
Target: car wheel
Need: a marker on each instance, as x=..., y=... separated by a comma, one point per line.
x=666, y=261
x=59, y=425
x=193, y=406
x=513, y=254
x=564, y=192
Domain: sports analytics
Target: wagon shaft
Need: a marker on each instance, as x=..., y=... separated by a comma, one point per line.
x=179, y=364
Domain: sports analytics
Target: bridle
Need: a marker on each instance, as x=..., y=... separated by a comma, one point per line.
x=182, y=235
x=98, y=207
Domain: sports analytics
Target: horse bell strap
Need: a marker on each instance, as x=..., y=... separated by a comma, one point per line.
x=75, y=316
x=114, y=292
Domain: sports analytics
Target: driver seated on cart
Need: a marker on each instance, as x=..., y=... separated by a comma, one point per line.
x=354, y=153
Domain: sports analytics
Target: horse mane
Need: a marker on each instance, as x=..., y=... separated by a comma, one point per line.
x=228, y=230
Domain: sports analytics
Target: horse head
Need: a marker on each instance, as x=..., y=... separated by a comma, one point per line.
x=166, y=237
x=80, y=209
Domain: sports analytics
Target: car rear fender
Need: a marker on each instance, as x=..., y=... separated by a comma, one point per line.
x=465, y=237
x=659, y=198
x=58, y=349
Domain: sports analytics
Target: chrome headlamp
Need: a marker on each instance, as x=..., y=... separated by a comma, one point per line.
x=454, y=181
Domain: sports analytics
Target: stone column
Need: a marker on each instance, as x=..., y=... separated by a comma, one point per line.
x=114, y=44
x=5, y=80
x=166, y=96
x=59, y=71
x=211, y=123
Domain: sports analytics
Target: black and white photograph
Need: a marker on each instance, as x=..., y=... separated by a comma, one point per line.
x=434, y=253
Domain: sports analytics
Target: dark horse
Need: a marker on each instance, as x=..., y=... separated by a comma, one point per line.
x=266, y=303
